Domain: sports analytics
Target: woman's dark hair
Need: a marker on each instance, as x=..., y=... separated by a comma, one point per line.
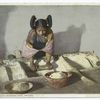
x=41, y=22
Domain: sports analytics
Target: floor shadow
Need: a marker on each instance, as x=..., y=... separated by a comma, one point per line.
x=73, y=79
x=78, y=66
x=36, y=86
x=86, y=74
x=28, y=71
x=4, y=15
x=68, y=41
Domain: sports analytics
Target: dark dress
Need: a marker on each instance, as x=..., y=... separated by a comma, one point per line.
x=39, y=43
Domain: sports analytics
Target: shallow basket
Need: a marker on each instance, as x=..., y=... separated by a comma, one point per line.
x=9, y=87
x=57, y=83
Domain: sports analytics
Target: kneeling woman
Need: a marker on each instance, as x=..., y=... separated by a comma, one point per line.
x=39, y=42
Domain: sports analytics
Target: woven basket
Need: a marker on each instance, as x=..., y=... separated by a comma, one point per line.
x=57, y=83
x=9, y=87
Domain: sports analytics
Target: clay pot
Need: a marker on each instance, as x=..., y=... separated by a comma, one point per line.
x=57, y=83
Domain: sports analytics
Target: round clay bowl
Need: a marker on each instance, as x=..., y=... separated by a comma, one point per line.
x=57, y=83
x=18, y=87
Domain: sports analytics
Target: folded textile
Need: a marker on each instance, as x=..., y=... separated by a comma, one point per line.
x=28, y=52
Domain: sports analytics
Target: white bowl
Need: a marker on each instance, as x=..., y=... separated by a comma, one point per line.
x=19, y=87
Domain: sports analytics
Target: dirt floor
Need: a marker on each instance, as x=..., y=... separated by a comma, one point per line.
x=75, y=85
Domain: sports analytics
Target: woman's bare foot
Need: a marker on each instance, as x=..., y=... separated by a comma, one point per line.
x=33, y=67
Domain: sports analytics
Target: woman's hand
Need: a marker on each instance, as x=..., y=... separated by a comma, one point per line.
x=30, y=45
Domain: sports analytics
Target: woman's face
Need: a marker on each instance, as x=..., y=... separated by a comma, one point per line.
x=41, y=31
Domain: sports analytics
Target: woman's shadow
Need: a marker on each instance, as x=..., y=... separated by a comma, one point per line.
x=4, y=15
x=68, y=41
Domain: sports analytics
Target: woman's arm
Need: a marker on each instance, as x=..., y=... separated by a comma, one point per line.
x=49, y=45
x=50, y=37
x=29, y=40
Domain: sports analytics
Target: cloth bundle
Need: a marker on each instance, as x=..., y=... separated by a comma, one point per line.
x=11, y=71
x=29, y=52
